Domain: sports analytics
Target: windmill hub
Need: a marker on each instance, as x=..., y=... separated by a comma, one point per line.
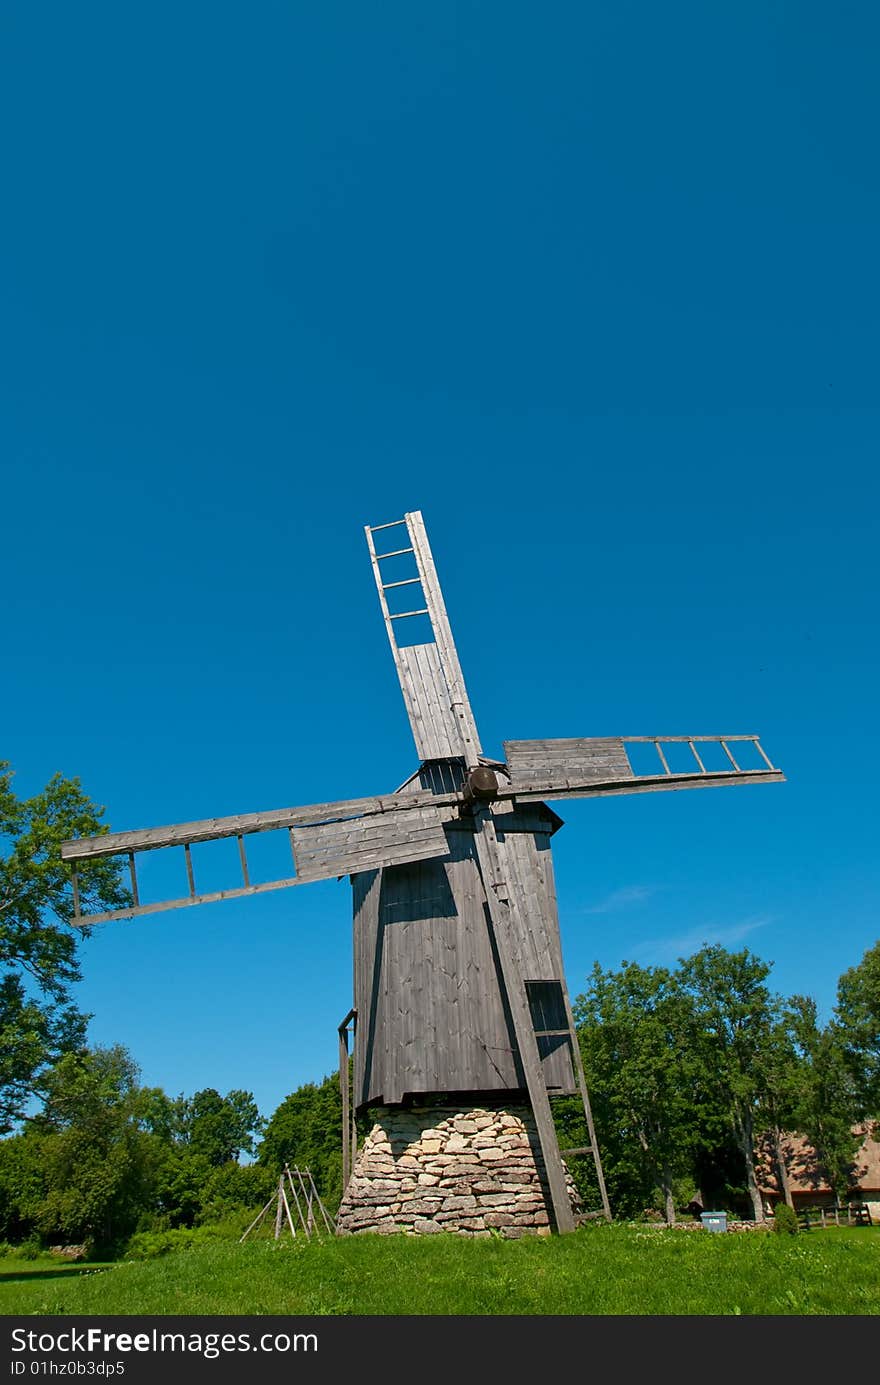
x=482, y=783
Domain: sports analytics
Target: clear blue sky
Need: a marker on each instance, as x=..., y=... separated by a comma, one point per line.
x=595, y=287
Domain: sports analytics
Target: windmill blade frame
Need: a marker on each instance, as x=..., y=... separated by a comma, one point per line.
x=431, y=680
x=326, y=840
x=593, y=767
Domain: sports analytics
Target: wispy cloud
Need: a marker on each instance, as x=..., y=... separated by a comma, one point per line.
x=621, y=899
x=683, y=944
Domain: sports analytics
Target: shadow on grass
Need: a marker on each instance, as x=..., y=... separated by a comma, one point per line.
x=62, y=1272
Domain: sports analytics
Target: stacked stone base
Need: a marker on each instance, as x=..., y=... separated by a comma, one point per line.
x=426, y=1169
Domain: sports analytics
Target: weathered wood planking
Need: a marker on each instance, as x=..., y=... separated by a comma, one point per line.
x=428, y=702
x=582, y=761
x=572, y=788
x=463, y=717
x=243, y=824
x=431, y=1014
x=343, y=848
x=430, y=1017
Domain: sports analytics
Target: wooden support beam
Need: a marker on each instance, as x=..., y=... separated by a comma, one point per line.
x=257, y=1219
x=578, y=1061
x=346, y=1097
x=697, y=758
x=571, y=788
x=724, y=747
x=349, y=1127
x=279, y=1210
x=135, y=911
x=500, y=902
x=760, y=750
x=287, y=1210
x=460, y=704
x=133, y=874
x=658, y=747
x=299, y=1210
x=244, y=865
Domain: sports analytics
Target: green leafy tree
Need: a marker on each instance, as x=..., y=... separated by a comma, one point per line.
x=857, y=1018
x=38, y=948
x=202, y=1137
x=98, y=1164
x=306, y=1129
x=220, y=1128
x=231, y=1189
x=635, y=1028
x=826, y=1102
x=735, y=1034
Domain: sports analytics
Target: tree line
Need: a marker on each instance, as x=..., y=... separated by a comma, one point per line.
x=694, y=1072
x=697, y=1072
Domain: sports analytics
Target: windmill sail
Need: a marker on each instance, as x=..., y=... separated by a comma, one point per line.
x=430, y=675
x=326, y=840
x=594, y=767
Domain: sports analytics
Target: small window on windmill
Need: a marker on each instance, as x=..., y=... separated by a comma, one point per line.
x=547, y=1006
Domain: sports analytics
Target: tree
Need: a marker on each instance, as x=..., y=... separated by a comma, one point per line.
x=38, y=961
x=306, y=1129
x=858, y=1024
x=98, y=1165
x=826, y=1103
x=635, y=1028
x=783, y=1085
x=736, y=1021
x=220, y=1128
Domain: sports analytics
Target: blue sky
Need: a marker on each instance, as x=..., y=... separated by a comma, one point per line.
x=595, y=287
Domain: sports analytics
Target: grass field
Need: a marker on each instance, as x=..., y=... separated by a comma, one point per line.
x=598, y=1270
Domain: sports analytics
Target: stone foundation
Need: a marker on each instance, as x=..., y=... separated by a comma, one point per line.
x=424, y=1169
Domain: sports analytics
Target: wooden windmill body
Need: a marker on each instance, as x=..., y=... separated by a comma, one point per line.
x=460, y=999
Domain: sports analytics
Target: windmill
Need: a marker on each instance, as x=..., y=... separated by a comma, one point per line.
x=463, y=1028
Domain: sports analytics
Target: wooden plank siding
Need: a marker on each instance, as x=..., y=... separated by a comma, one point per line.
x=426, y=989
x=430, y=675
x=343, y=848
x=431, y=1014
x=533, y=763
x=428, y=702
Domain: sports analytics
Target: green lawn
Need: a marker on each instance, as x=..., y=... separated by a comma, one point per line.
x=598, y=1270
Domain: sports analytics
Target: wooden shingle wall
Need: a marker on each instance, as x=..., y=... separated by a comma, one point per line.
x=431, y=1016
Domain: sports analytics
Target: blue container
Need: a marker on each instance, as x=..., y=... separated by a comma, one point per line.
x=714, y=1221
